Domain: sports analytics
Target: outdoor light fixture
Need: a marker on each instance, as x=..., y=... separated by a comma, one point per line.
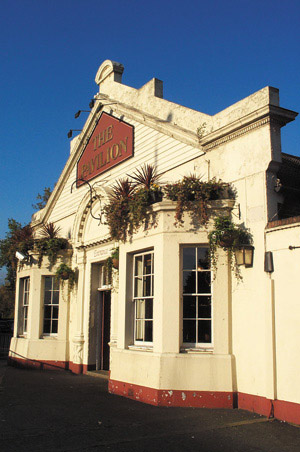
x=79, y=111
x=244, y=255
x=70, y=133
x=20, y=256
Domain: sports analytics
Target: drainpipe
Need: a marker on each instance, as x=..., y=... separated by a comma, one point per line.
x=270, y=329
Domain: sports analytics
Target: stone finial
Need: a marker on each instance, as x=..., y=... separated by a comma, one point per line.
x=109, y=71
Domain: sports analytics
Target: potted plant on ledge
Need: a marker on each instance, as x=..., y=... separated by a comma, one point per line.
x=50, y=244
x=193, y=195
x=130, y=203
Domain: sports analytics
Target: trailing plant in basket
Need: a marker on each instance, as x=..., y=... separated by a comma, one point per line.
x=65, y=273
x=228, y=236
x=117, y=210
x=192, y=195
x=111, y=262
x=130, y=203
x=50, y=244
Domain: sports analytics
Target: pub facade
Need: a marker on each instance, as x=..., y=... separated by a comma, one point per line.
x=170, y=324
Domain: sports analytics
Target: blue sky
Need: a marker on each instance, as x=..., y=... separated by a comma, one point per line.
x=209, y=54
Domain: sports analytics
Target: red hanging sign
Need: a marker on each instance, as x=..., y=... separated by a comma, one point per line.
x=110, y=144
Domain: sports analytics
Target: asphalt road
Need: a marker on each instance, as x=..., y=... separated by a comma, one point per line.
x=59, y=411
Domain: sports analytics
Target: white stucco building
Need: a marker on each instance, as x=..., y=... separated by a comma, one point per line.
x=244, y=348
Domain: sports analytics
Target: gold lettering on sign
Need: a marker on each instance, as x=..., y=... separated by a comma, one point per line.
x=105, y=156
x=103, y=137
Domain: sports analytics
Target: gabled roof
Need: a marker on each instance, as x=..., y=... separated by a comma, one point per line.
x=147, y=106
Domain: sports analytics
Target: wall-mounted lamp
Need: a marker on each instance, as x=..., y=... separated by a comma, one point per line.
x=70, y=133
x=79, y=111
x=20, y=256
x=244, y=255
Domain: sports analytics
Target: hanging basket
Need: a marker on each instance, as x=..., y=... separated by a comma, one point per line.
x=115, y=263
x=65, y=276
x=227, y=240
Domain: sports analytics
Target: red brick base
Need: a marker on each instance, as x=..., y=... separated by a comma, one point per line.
x=279, y=409
x=160, y=397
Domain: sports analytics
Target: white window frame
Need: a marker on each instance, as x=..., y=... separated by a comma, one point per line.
x=140, y=298
x=24, y=302
x=51, y=305
x=197, y=345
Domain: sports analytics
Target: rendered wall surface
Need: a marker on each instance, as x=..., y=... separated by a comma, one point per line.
x=286, y=310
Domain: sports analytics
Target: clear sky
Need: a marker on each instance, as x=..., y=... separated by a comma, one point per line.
x=209, y=54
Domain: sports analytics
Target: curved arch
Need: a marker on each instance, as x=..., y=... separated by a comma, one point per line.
x=83, y=214
x=108, y=68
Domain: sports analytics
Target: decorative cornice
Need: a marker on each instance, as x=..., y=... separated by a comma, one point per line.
x=93, y=244
x=258, y=118
x=236, y=134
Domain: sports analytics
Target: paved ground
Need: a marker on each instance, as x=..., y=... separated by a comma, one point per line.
x=59, y=411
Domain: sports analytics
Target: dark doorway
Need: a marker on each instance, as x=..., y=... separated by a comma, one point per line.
x=102, y=349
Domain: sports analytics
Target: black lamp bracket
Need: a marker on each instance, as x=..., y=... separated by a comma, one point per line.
x=93, y=196
x=238, y=208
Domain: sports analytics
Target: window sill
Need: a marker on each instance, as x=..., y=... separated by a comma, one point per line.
x=49, y=337
x=141, y=348
x=197, y=350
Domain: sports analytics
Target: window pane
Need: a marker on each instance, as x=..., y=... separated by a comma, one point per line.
x=204, y=331
x=204, y=307
x=47, y=299
x=189, y=282
x=148, y=331
x=54, y=326
x=189, y=258
x=189, y=307
x=138, y=265
x=55, y=297
x=55, y=284
x=51, y=302
x=25, y=326
x=47, y=312
x=203, y=261
x=26, y=284
x=149, y=309
x=47, y=324
x=204, y=282
x=147, y=286
x=140, y=309
x=143, y=287
x=26, y=296
x=48, y=282
x=189, y=331
x=139, y=330
x=55, y=312
x=147, y=264
x=138, y=287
